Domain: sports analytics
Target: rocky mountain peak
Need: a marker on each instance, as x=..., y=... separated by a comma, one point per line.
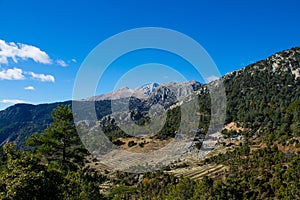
x=281, y=62
x=148, y=90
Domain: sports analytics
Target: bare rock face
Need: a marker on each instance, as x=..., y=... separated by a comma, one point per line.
x=19, y=121
x=164, y=94
x=170, y=93
x=283, y=62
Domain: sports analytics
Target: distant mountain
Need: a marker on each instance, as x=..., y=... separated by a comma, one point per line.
x=264, y=96
x=21, y=120
x=145, y=91
x=169, y=93
x=149, y=88
x=141, y=93
x=254, y=156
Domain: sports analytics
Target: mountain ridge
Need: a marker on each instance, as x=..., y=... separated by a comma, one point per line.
x=21, y=120
x=286, y=60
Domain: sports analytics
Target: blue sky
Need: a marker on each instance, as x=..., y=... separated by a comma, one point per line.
x=45, y=42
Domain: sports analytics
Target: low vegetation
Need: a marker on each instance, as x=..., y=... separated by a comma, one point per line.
x=263, y=108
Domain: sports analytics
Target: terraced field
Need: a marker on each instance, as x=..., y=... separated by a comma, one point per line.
x=197, y=172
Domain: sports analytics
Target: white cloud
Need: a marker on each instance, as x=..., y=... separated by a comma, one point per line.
x=12, y=74
x=22, y=51
x=42, y=77
x=13, y=101
x=74, y=60
x=18, y=74
x=29, y=88
x=211, y=78
x=61, y=63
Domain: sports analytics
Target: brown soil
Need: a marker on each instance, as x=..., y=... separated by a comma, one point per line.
x=288, y=148
x=232, y=126
x=150, y=144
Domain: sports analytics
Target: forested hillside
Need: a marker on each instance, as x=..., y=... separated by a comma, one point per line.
x=20, y=121
x=263, y=100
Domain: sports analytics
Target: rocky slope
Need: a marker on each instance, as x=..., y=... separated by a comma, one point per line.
x=273, y=82
x=21, y=120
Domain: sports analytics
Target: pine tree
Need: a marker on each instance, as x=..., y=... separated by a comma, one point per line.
x=60, y=144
